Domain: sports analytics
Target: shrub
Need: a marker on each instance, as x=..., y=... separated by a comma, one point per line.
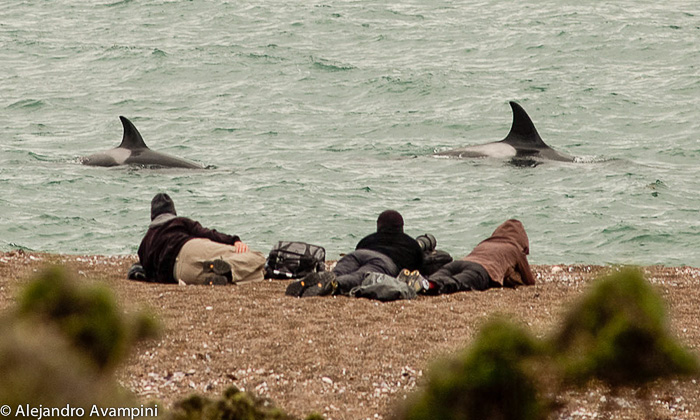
x=55, y=347
x=87, y=316
x=488, y=381
x=618, y=333
x=38, y=366
x=233, y=405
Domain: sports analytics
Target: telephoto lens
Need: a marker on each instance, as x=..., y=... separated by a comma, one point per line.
x=427, y=242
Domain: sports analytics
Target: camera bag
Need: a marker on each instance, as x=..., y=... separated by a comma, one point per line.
x=293, y=260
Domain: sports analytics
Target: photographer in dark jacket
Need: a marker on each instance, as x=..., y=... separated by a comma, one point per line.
x=390, y=240
x=389, y=250
x=181, y=249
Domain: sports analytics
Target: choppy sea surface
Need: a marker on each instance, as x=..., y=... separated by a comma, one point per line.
x=313, y=117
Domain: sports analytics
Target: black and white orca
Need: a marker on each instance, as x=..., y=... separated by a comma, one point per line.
x=133, y=151
x=523, y=142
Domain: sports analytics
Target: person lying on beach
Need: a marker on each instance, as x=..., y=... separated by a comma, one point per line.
x=178, y=249
x=498, y=261
x=388, y=251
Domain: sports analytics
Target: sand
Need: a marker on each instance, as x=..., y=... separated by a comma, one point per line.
x=350, y=358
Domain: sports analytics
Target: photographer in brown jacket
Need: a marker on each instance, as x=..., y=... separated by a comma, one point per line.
x=498, y=261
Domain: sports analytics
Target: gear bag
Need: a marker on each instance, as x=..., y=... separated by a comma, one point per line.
x=293, y=260
x=433, y=260
x=383, y=287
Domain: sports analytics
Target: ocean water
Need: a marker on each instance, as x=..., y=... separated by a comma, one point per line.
x=313, y=117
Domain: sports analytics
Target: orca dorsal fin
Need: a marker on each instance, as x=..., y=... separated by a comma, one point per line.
x=522, y=131
x=132, y=138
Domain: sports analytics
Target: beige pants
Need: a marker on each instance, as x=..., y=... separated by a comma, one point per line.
x=246, y=266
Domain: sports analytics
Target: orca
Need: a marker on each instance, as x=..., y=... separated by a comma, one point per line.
x=523, y=143
x=133, y=151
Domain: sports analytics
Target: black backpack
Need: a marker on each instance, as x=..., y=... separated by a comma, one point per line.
x=293, y=260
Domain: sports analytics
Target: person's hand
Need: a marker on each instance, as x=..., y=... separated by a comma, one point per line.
x=240, y=247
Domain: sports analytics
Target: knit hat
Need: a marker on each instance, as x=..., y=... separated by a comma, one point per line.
x=390, y=220
x=160, y=204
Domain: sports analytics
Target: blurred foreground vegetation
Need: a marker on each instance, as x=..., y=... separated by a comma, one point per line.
x=61, y=345
x=617, y=333
x=63, y=341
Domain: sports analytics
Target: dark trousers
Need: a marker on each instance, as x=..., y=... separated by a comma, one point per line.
x=460, y=276
x=351, y=269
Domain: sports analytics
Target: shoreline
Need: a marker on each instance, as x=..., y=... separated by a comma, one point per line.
x=342, y=357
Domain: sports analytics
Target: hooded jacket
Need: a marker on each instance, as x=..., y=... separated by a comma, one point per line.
x=391, y=241
x=504, y=255
x=166, y=236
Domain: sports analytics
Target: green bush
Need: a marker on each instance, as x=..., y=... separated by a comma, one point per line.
x=489, y=381
x=55, y=346
x=60, y=346
x=618, y=333
x=87, y=315
x=39, y=367
x=234, y=405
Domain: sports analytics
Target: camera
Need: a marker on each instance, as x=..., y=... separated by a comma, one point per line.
x=427, y=242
